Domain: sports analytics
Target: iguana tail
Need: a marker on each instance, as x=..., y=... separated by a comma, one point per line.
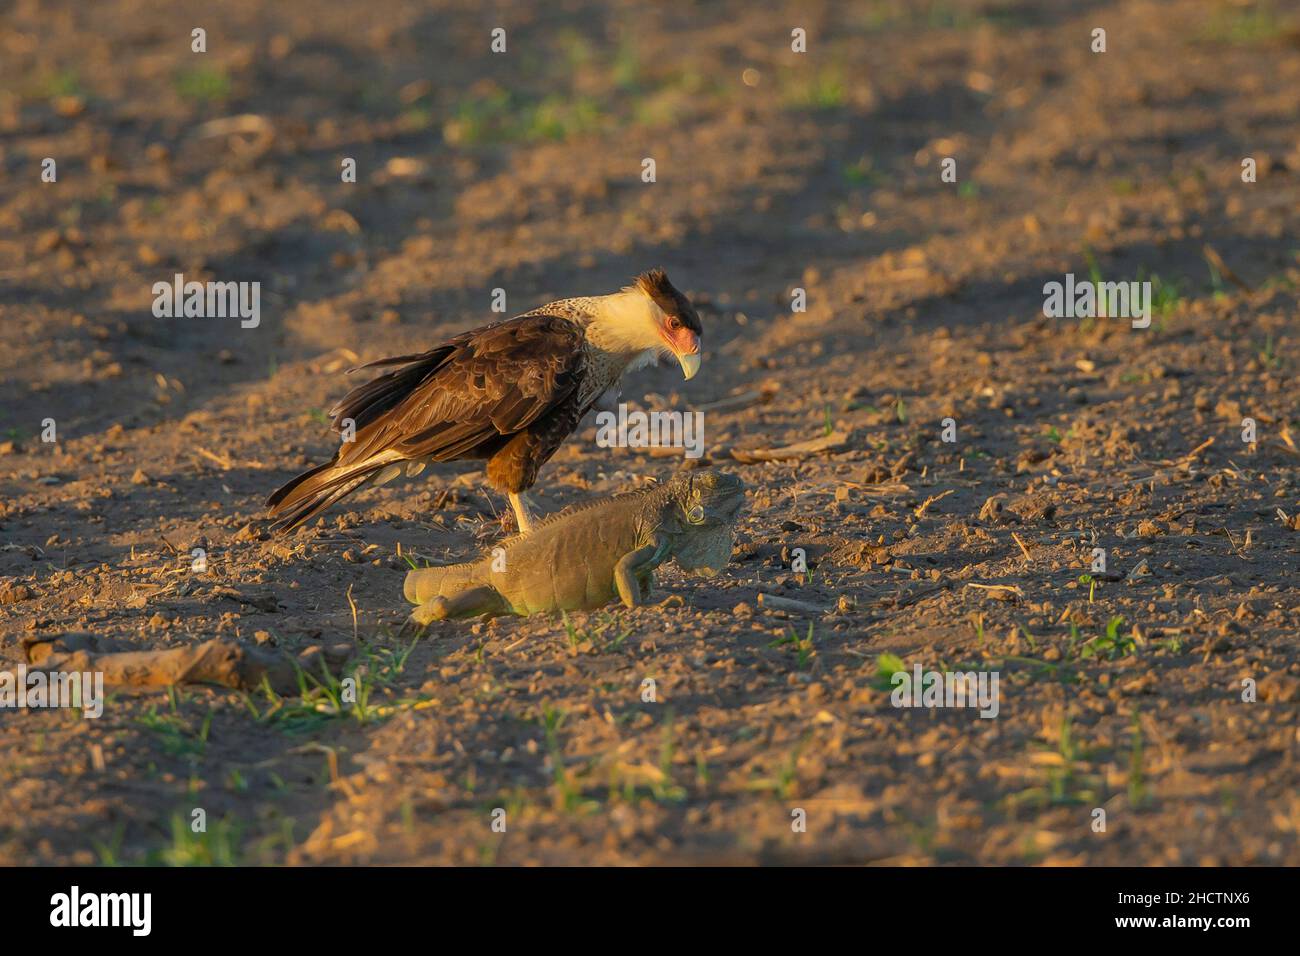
x=425, y=584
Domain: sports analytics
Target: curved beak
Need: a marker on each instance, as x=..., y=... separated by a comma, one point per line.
x=685, y=346
x=690, y=362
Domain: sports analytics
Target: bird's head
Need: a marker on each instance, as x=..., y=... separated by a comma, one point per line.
x=652, y=318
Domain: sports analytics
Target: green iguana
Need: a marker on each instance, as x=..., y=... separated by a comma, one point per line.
x=589, y=554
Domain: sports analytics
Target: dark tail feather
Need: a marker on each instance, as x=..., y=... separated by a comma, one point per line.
x=313, y=491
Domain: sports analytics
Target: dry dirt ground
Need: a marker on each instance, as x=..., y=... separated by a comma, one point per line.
x=775, y=170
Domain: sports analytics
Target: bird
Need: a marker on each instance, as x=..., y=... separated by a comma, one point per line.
x=509, y=393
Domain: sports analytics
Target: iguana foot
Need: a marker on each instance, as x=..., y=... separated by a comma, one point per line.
x=475, y=602
x=435, y=609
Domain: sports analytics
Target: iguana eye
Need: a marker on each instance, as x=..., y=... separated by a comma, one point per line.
x=696, y=514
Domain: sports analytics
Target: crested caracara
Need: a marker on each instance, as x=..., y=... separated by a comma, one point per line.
x=509, y=393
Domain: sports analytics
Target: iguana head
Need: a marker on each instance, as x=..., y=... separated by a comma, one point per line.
x=706, y=505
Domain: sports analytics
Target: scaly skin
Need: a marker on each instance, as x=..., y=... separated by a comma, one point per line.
x=588, y=555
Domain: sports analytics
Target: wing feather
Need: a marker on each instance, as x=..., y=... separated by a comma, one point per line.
x=478, y=387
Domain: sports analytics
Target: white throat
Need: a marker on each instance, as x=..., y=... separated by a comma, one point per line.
x=627, y=323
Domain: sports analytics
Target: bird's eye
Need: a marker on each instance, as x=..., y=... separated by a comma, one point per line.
x=674, y=323
x=696, y=514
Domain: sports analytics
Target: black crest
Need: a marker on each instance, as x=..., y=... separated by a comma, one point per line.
x=656, y=285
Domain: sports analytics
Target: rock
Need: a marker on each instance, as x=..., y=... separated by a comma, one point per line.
x=994, y=512
x=253, y=531
x=69, y=106
x=1279, y=688
x=1029, y=458
x=1229, y=409
x=12, y=592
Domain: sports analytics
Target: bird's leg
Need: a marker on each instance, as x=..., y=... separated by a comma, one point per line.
x=523, y=508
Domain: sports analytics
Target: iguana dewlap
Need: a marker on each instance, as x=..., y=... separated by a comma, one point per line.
x=587, y=555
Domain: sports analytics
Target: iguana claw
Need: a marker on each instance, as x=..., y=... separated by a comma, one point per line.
x=435, y=609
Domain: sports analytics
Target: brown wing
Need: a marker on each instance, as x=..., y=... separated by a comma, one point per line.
x=514, y=467
x=480, y=386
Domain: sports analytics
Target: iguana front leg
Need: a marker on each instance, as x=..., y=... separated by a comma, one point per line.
x=634, y=566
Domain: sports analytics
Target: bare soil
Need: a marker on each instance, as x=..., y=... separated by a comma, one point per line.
x=775, y=171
